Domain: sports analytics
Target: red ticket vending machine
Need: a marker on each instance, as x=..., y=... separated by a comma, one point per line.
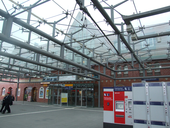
x=120, y=115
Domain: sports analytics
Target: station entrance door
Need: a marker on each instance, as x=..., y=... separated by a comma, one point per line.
x=81, y=97
x=57, y=96
x=78, y=95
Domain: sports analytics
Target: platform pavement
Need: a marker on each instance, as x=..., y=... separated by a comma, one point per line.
x=41, y=115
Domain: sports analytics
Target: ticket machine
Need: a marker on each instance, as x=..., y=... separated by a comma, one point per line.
x=118, y=110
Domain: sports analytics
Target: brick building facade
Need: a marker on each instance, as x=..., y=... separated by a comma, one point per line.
x=104, y=82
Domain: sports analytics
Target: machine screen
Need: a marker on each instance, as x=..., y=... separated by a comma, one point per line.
x=119, y=106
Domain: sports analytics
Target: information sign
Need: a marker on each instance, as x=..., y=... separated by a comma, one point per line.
x=64, y=97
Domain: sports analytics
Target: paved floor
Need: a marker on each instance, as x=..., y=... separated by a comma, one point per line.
x=39, y=115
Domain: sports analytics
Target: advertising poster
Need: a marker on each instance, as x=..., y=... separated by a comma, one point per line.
x=19, y=90
x=41, y=92
x=47, y=93
x=64, y=97
x=108, y=101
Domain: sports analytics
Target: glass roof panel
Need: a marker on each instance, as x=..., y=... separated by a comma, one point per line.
x=64, y=21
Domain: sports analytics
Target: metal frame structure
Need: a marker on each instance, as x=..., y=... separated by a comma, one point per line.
x=20, y=71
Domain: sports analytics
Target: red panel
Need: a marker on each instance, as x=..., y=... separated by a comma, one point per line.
x=119, y=96
x=108, y=101
x=121, y=118
x=118, y=115
x=126, y=97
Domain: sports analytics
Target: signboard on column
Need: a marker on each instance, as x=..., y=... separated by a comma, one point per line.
x=64, y=97
x=19, y=90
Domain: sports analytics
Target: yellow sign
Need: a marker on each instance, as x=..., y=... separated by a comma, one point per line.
x=64, y=97
x=44, y=84
x=64, y=100
x=68, y=84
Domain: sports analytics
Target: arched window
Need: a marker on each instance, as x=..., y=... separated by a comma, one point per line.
x=3, y=91
x=126, y=72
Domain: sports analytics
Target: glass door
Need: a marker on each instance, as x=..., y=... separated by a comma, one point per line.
x=55, y=91
x=57, y=96
x=84, y=97
x=71, y=97
x=81, y=97
x=90, y=98
x=78, y=96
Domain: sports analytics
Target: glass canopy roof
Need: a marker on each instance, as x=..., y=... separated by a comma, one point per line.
x=85, y=27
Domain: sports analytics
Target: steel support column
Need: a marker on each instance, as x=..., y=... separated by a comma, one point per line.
x=17, y=87
x=98, y=92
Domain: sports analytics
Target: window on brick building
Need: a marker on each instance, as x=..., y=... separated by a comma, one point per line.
x=149, y=71
x=157, y=71
x=141, y=72
x=112, y=72
x=126, y=72
x=119, y=73
x=3, y=91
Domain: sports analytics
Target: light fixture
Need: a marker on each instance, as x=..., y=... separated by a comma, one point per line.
x=134, y=37
x=129, y=28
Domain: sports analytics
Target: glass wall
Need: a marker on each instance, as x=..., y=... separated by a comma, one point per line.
x=78, y=94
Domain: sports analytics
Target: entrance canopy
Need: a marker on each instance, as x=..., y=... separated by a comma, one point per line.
x=44, y=37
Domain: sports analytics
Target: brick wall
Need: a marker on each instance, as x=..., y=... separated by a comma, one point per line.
x=104, y=82
x=22, y=86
